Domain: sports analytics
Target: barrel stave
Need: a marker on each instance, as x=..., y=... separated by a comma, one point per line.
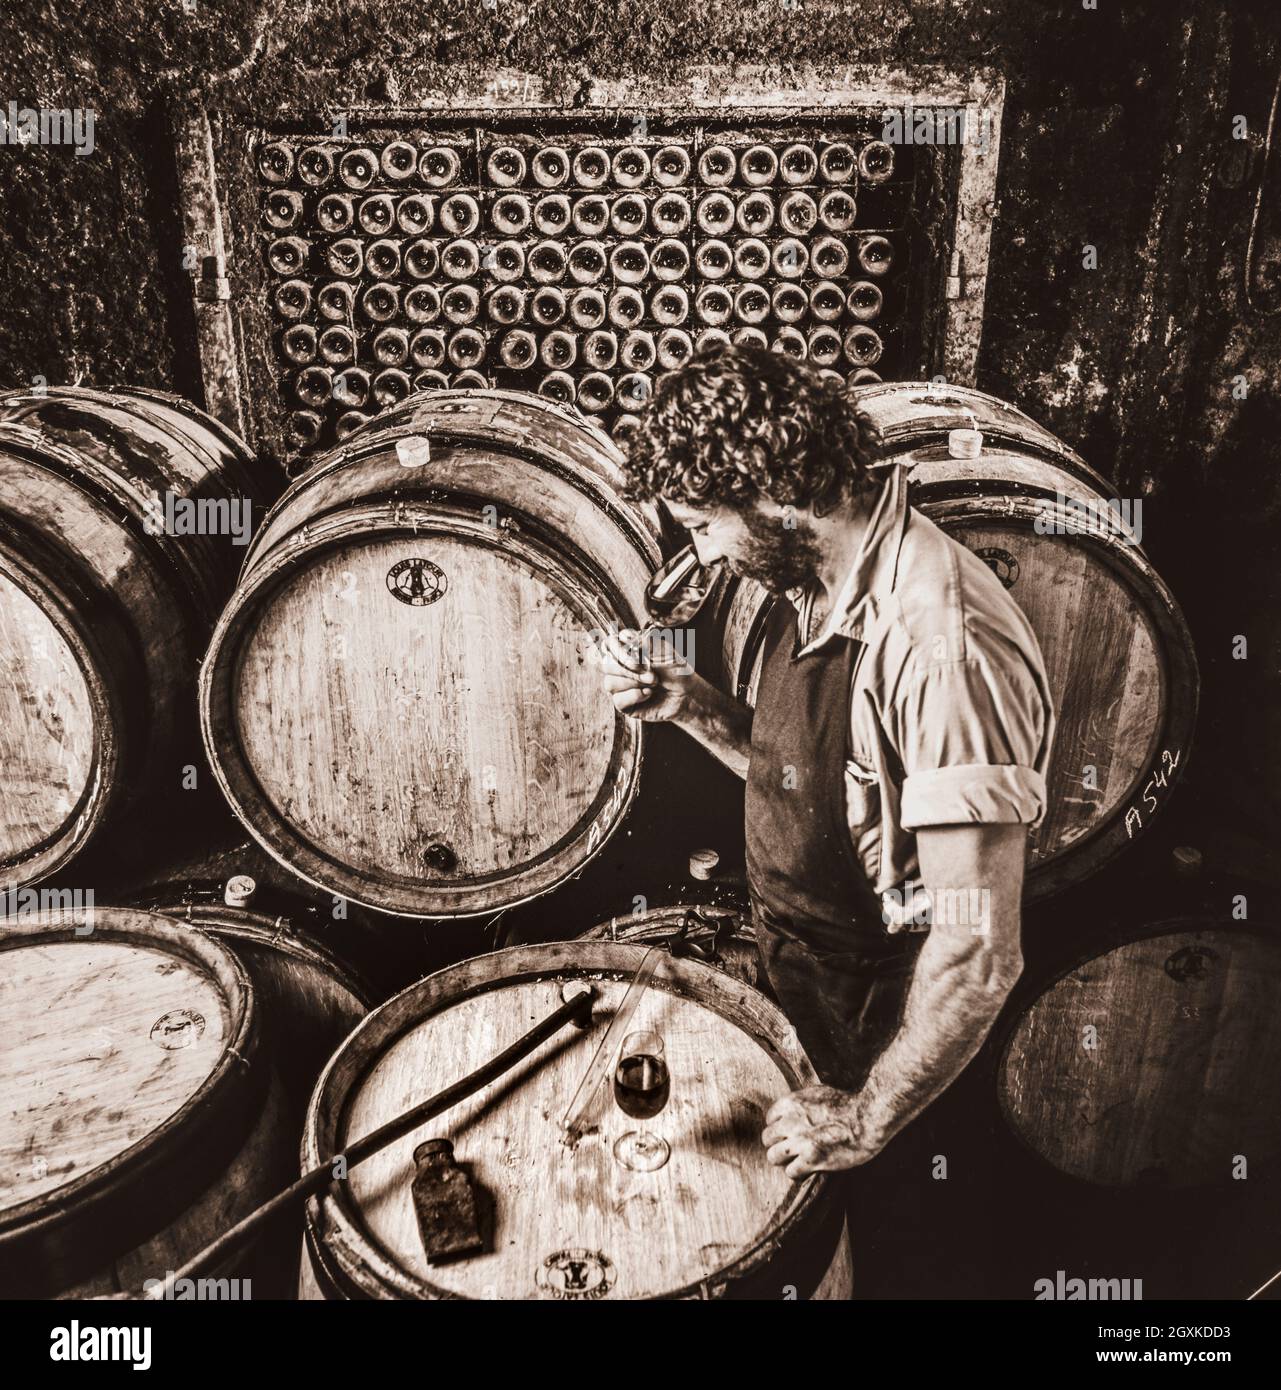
x=554, y=438
x=719, y=936
x=130, y=453
x=309, y=999
x=563, y=502
x=60, y=767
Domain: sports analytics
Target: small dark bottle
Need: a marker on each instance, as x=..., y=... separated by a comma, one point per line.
x=444, y=1202
x=390, y=387
x=287, y=255
x=377, y=214
x=315, y=165
x=314, y=386
x=415, y=215
x=358, y=168
x=391, y=347
x=334, y=301
x=303, y=428
x=398, y=160
x=348, y=423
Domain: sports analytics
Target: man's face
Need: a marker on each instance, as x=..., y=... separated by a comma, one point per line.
x=754, y=543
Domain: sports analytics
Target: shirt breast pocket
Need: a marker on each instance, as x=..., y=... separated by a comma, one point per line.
x=862, y=794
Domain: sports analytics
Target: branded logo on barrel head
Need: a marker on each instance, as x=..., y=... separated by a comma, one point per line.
x=1191, y=963
x=416, y=582
x=573, y=1274
x=177, y=1029
x=1001, y=563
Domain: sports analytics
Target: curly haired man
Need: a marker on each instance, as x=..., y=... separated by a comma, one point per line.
x=896, y=755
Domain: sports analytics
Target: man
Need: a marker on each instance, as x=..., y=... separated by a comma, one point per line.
x=898, y=746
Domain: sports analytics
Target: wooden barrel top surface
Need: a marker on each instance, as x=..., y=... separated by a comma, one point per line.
x=244, y=472
x=1155, y=1063
x=524, y=453
x=509, y=417
x=102, y=1040
x=268, y=938
x=477, y=723
x=47, y=734
x=644, y=1234
x=910, y=413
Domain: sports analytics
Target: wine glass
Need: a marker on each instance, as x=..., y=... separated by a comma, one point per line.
x=642, y=1084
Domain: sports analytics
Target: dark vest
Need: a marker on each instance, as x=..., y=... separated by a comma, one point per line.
x=839, y=975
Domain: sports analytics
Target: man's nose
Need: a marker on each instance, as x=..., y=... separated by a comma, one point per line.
x=706, y=551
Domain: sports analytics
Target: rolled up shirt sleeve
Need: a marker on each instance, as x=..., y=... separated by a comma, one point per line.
x=973, y=737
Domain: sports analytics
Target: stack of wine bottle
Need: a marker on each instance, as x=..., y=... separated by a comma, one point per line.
x=579, y=268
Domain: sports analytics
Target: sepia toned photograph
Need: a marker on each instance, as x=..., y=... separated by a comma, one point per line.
x=640, y=662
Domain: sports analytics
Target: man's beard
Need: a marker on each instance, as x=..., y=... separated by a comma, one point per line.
x=778, y=557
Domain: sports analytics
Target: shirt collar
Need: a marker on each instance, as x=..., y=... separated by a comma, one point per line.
x=871, y=577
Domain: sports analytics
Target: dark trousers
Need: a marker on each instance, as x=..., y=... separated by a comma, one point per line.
x=925, y=1214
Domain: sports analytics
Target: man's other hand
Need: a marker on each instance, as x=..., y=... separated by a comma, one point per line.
x=817, y=1130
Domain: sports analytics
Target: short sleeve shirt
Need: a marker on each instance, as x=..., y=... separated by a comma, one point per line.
x=951, y=719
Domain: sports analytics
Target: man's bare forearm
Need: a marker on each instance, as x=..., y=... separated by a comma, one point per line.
x=721, y=724
x=951, y=1006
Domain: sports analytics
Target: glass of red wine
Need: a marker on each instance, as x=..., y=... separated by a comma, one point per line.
x=642, y=1084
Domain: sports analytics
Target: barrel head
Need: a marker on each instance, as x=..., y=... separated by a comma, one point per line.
x=47, y=729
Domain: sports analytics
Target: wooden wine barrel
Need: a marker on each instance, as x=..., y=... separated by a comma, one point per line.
x=715, y=1221
x=446, y=747
x=1156, y=1064
x=1117, y=651
x=103, y=614
x=177, y=873
x=309, y=999
x=718, y=936
x=141, y=1115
